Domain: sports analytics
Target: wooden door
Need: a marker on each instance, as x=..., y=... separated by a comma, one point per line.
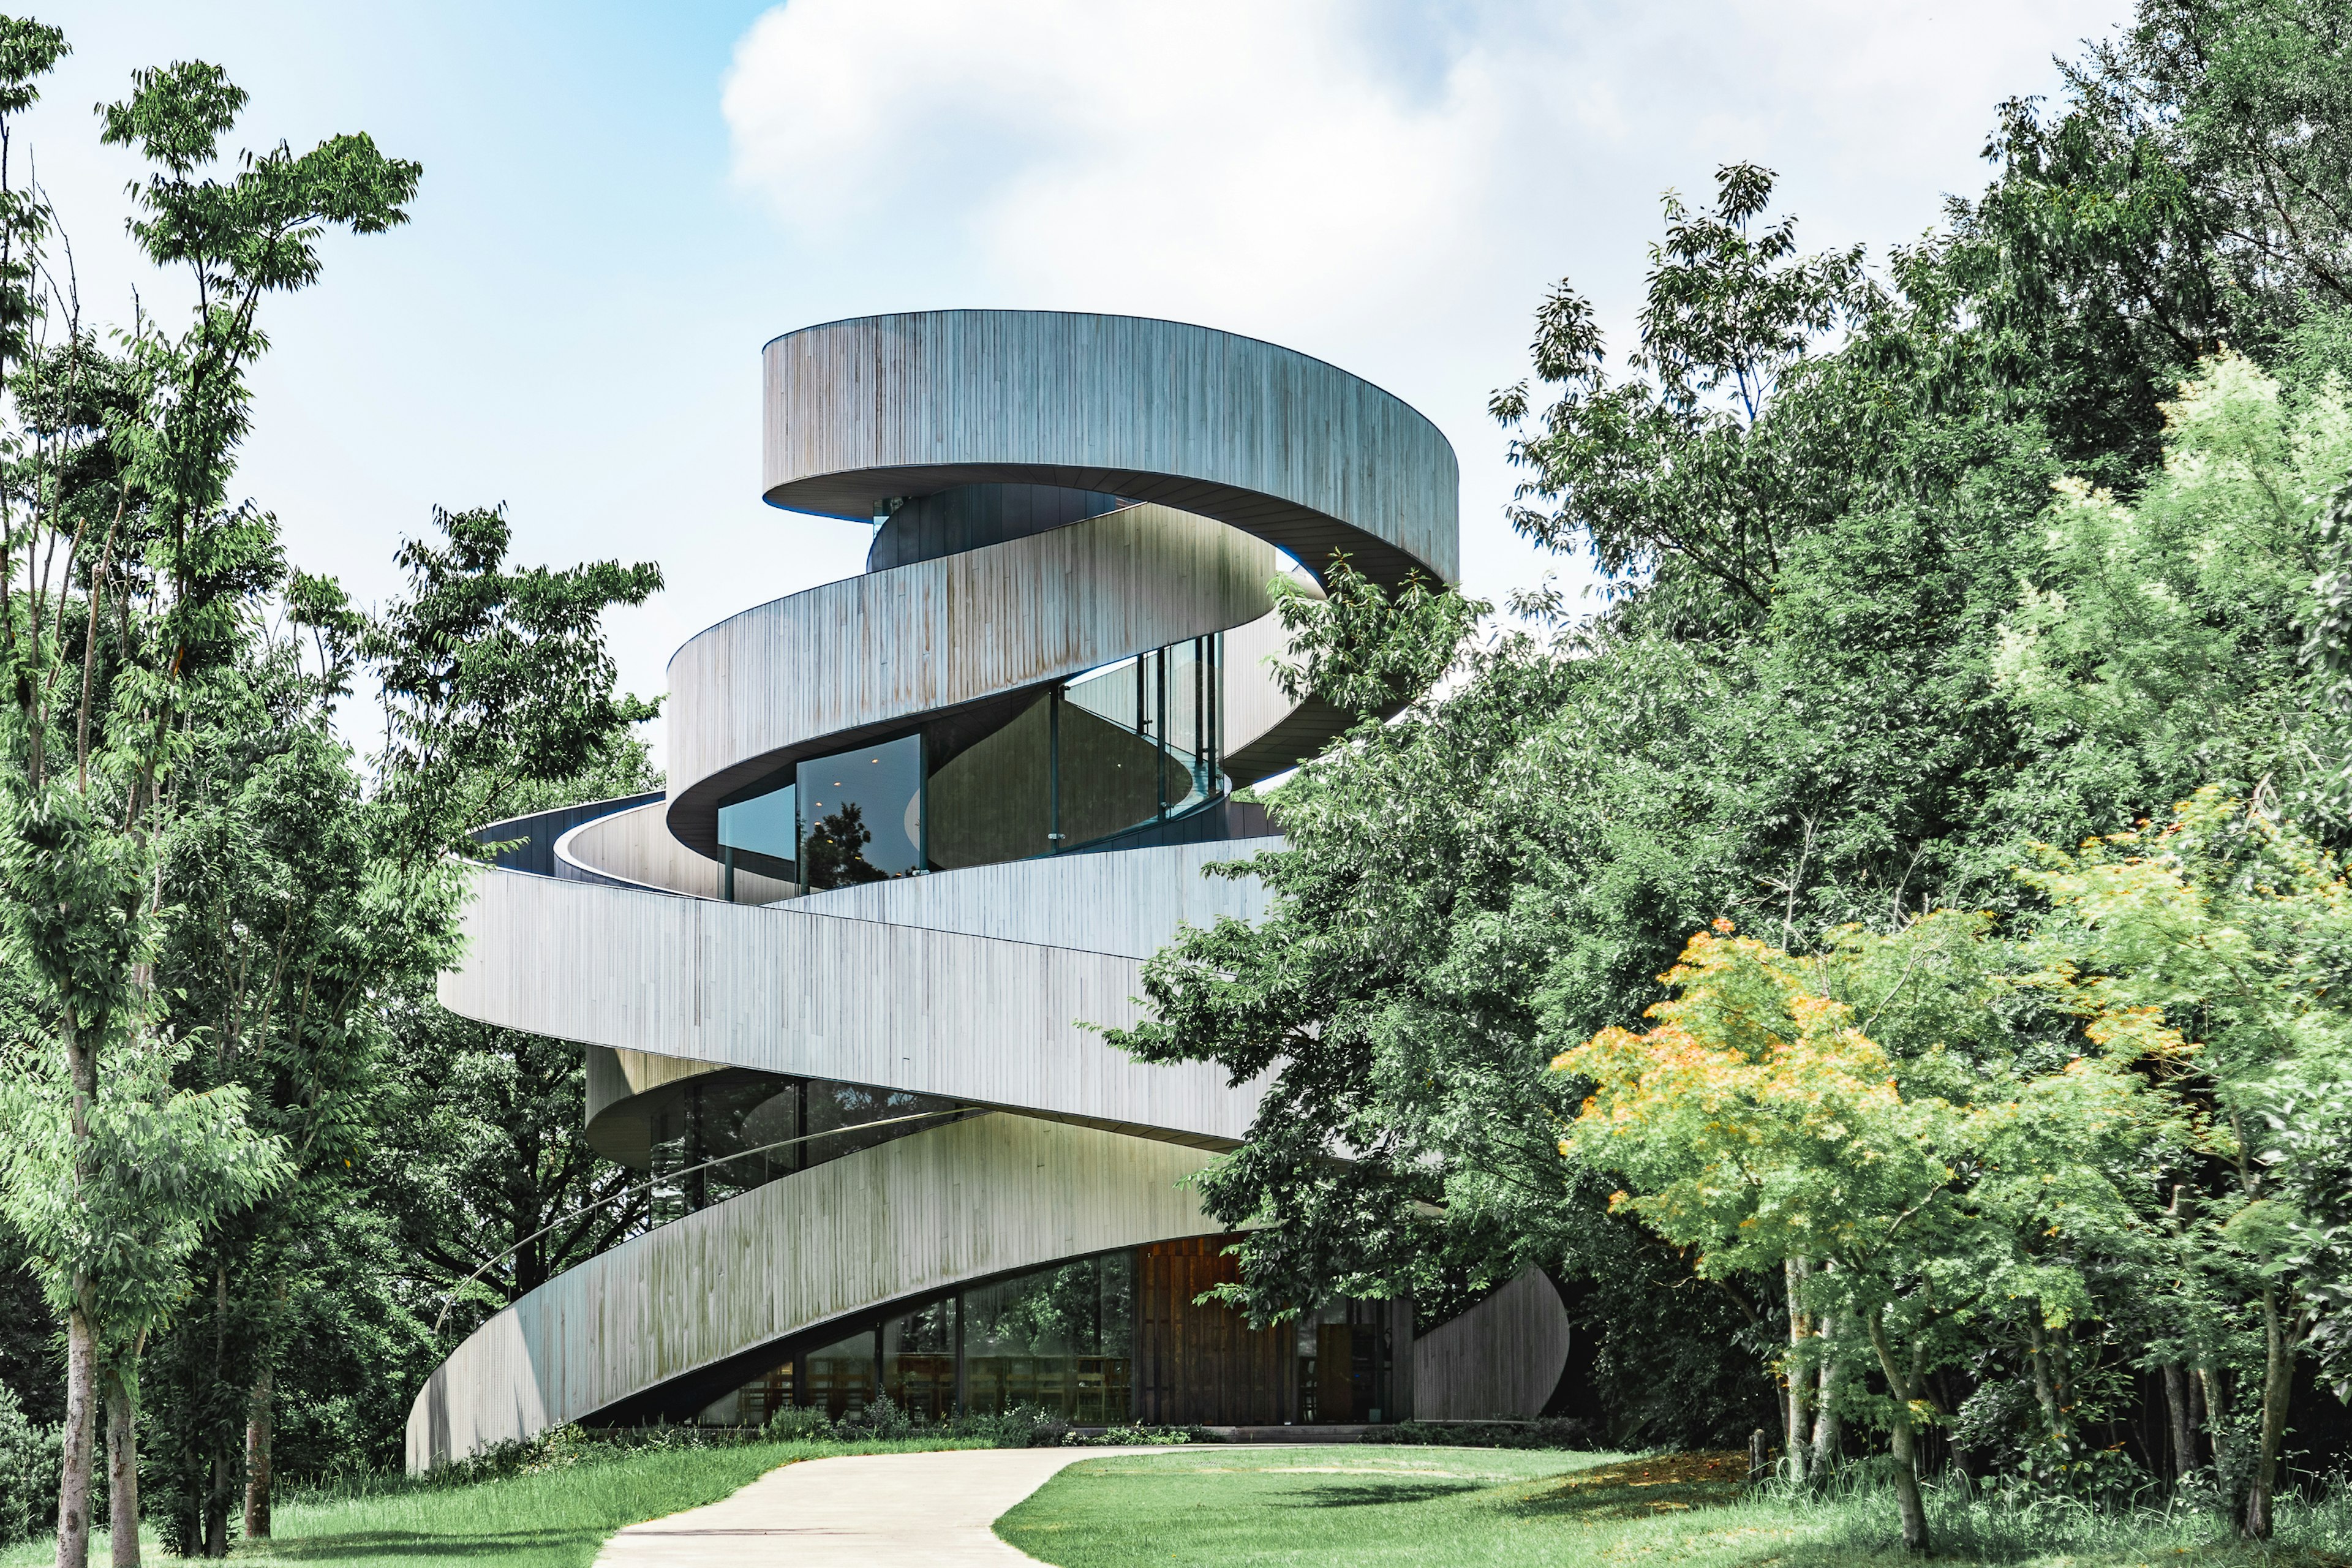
x=1203, y=1364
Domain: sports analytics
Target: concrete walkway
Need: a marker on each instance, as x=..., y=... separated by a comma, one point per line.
x=875, y=1510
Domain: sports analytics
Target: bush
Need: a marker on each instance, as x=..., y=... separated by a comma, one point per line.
x=31, y=1465
x=797, y=1426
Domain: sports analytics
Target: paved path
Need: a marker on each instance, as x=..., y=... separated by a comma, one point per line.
x=875, y=1510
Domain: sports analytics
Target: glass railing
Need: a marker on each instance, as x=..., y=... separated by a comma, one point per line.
x=711, y=1137
x=1111, y=751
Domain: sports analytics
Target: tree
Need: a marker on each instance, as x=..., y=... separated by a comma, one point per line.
x=290, y=947
x=2224, y=931
x=498, y=696
x=1915, y=1177
x=1711, y=454
x=118, y=486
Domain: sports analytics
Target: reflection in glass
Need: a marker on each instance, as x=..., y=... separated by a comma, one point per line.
x=761, y=836
x=862, y=815
x=1106, y=752
x=838, y=1378
x=918, y=1361
x=1345, y=1363
x=1062, y=1338
x=729, y=1122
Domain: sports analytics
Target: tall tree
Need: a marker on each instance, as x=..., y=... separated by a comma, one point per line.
x=131, y=514
x=499, y=700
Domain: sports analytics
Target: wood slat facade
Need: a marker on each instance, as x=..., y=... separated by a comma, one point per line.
x=1202, y=1364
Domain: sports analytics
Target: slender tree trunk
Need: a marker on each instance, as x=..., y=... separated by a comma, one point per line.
x=1795, y=1271
x=1829, y=1429
x=217, y=1494
x=261, y=1418
x=2278, y=1385
x=2045, y=1383
x=80, y=1434
x=122, y=1471
x=1908, y=1506
x=2216, y=1389
x=2177, y=1415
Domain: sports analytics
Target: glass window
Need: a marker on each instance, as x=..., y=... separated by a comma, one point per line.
x=1061, y=1339
x=862, y=815
x=918, y=1361
x=766, y=825
x=838, y=1378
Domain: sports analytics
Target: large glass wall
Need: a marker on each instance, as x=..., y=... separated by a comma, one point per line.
x=918, y=1360
x=1080, y=762
x=838, y=1378
x=760, y=832
x=717, y=1134
x=1347, y=1363
x=862, y=815
x=1069, y=1339
x=1093, y=757
x=1061, y=1340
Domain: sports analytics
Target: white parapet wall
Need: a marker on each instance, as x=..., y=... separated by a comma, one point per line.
x=920, y=1215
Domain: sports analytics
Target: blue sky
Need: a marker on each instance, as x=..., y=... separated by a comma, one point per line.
x=621, y=203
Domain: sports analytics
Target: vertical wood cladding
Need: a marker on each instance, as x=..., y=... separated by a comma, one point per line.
x=798, y=676
x=1498, y=1361
x=1293, y=449
x=1203, y=1363
x=902, y=1221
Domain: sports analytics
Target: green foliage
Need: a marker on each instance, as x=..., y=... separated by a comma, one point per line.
x=28, y=1471
x=495, y=679
x=1711, y=452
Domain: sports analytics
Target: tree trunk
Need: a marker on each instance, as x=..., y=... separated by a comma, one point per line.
x=216, y=1492
x=1908, y=1506
x=1792, y=1403
x=216, y=1502
x=80, y=1433
x=122, y=1471
x=2045, y=1386
x=2278, y=1385
x=2177, y=1415
x=261, y=1418
x=1828, y=1429
x=2216, y=1389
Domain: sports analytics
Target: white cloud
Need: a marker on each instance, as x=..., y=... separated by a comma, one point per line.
x=1390, y=185
x=1204, y=157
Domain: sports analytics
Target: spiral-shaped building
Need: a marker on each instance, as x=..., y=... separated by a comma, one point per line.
x=923, y=827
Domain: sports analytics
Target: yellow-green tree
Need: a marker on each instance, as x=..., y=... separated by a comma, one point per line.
x=1866, y=1115
x=2227, y=932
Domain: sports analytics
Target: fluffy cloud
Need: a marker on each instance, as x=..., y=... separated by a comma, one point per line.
x=1196, y=156
x=1388, y=184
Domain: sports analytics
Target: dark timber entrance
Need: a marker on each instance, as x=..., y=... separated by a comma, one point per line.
x=1203, y=1363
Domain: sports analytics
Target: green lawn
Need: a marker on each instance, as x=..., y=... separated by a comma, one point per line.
x=556, y=1519
x=1472, y=1508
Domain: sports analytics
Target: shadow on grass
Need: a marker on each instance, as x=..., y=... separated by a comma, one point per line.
x=421, y=1542
x=1361, y=1495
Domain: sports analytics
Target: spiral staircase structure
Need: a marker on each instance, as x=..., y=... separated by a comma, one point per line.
x=1057, y=660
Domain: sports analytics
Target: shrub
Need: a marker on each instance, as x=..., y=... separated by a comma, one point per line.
x=30, y=1461
x=791, y=1425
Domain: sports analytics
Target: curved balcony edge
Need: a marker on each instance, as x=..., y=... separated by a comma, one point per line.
x=1286, y=447
x=978, y=1020
x=837, y=665
x=970, y=1200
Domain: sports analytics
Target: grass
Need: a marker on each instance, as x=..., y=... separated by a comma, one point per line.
x=554, y=1519
x=1481, y=1508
